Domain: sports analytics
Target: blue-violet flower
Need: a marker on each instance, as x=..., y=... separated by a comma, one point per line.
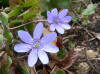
x=37, y=47
x=58, y=21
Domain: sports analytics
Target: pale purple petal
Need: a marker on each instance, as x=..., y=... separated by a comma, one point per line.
x=38, y=31
x=22, y=47
x=51, y=48
x=54, y=12
x=66, y=26
x=48, y=13
x=32, y=58
x=67, y=18
x=63, y=13
x=50, y=19
x=60, y=29
x=49, y=37
x=43, y=57
x=52, y=27
x=25, y=36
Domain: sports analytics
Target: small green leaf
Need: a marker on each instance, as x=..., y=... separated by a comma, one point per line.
x=85, y=22
x=60, y=71
x=0, y=20
x=1, y=38
x=9, y=61
x=4, y=69
x=53, y=73
x=70, y=37
x=61, y=54
x=8, y=36
x=74, y=18
x=89, y=10
x=15, y=12
x=72, y=44
x=31, y=13
x=23, y=70
x=4, y=18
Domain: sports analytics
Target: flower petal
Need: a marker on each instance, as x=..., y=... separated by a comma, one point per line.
x=22, y=47
x=38, y=31
x=67, y=19
x=54, y=12
x=25, y=36
x=43, y=57
x=49, y=37
x=51, y=48
x=32, y=58
x=63, y=13
x=50, y=19
x=66, y=26
x=52, y=27
x=60, y=29
x=48, y=13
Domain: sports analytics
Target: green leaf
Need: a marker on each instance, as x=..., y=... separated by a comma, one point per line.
x=0, y=20
x=85, y=22
x=1, y=38
x=24, y=11
x=8, y=36
x=15, y=11
x=9, y=61
x=89, y=10
x=30, y=3
x=74, y=18
x=61, y=54
x=72, y=44
x=53, y=73
x=15, y=22
x=23, y=70
x=70, y=37
x=60, y=71
x=4, y=18
x=4, y=69
x=31, y=13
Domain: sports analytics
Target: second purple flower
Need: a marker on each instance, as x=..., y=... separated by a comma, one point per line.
x=58, y=21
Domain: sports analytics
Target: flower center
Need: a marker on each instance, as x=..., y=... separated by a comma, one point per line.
x=36, y=44
x=57, y=21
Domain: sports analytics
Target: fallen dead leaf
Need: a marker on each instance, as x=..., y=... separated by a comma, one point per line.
x=83, y=68
x=97, y=35
x=92, y=54
x=45, y=70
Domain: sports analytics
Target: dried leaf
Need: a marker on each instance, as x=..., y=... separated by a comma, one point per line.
x=92, y=54
x=45, y=70
x=97, y=35
x=68, y=60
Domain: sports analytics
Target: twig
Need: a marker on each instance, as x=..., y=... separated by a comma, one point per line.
x=33, y=70
x=2, y=53
x=95, y=59
x=90, y=62
x=54, y=68
x=27, y=23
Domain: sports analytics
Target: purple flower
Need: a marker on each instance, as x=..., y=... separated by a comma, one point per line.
x=58, y=21
x=37, y=47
